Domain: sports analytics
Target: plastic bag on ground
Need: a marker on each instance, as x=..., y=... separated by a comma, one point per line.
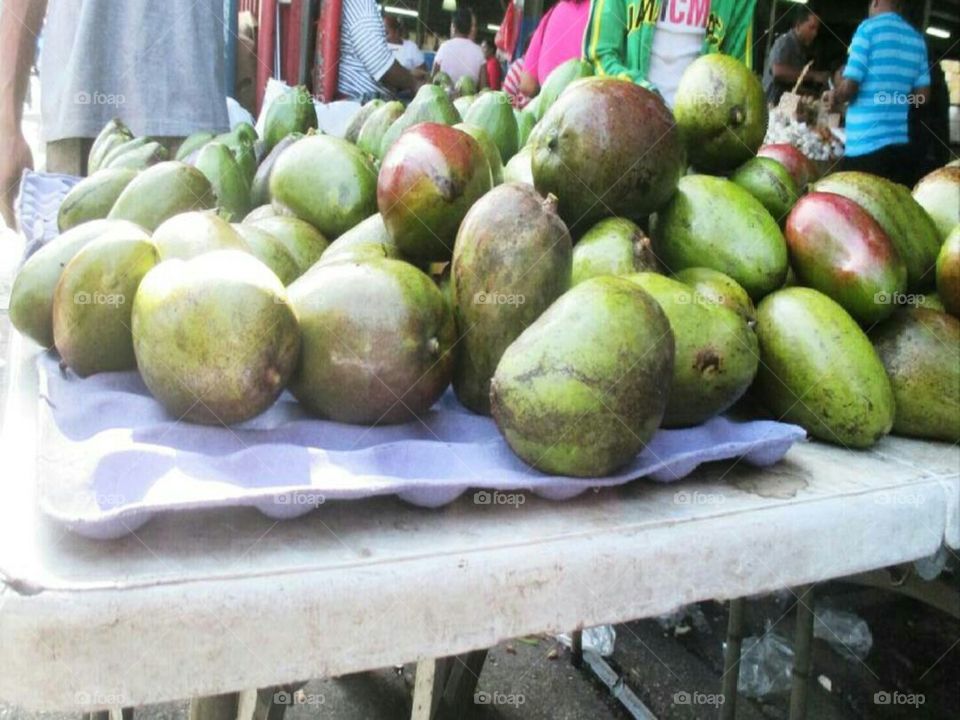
x=766, y=665
x=847, y=633
x=683, y=618
x=600, y=639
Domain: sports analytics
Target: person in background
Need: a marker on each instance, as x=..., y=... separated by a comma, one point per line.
x=886, y=73
x=368, y=68
x=460, y=55
x=651, y=42
x=558, y=38
x=404, y=51
x=790, y=54
x=157, y=66
x=491, y=76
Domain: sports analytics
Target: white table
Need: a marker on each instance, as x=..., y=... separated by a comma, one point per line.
x=211, y=602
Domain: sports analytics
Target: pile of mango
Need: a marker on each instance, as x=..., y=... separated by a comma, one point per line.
x=586, y=270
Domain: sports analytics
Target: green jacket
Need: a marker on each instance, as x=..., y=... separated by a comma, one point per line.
x=619, y=34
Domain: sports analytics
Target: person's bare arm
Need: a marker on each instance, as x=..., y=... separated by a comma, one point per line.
x=528, y=84
x=923, y=94
x=846, y=91
x=399, y=78
x=20, y=23
x=787, y=74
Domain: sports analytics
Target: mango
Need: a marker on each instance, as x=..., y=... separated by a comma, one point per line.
x=910, y=229
x=293, y=111
x=463, y=103
x=270, y=251
x=241, y=141
x=190, y=234
x=122, y=149
x=607, y=147
x=520, y=168
x=801, y=168
x=92, y=303
x=715, y=223
x=466, y=85
x=712, y=286
x=819, y=370
x=490, y=151
x=428, y=180
x=192, y=143
x=920, y=350
x=614, y=246
x=930, y=301
x=140, y=157
x=582, y=390
x=215, y=337
x=716, y=352
x=948, y=273
x=229, y=183
x=113, y=133
x=558, y=80
x=162, y=191
x=300, y=238
x=368, y=239
x=260, y=187
x=511, y=260
x=939, y=194
x=267, y=211
x=377, y=340
x=837, y=248
x=770, y=183
x=31, y=297
x=430, y=104
x=493, y=112
x=326, y=181
x=360, y=117
x=721, y=111
x=92, y=197
x=370, y=138
x=525, y=123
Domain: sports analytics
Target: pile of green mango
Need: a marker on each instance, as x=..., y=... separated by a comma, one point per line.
x=560, y=267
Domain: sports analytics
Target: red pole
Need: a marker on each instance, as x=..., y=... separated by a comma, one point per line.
x=265, y=46
x=328, y=40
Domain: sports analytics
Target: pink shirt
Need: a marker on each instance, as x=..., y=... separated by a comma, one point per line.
x=558, y=38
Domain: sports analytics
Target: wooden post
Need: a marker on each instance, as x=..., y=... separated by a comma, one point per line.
x=803, y=657
x=576, y=648
x=731, y=659
x=215, y=707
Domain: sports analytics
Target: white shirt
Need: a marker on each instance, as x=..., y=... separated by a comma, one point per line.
x=677, y=42
x=460, y=56
x=407, y=54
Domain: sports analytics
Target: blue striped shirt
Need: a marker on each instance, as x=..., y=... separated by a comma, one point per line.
x=888, y=58
x=364, y=55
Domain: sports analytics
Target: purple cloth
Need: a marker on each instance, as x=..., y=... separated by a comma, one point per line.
x=111, y=456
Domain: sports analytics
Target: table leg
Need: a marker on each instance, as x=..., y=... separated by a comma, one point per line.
x=444, y=687
x=731, y=659
x=272, y=702
x=215, y=707
x=112, y=714
x=803, y=654
x=576, y=648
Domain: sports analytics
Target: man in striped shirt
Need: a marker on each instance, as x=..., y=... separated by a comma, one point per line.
x=886, y=73
x=368, y=68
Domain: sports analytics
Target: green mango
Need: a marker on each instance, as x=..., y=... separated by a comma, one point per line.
x=31, y=297
x=490, y=150
x=357, y=253
x=614, y=246
x=442, y=80
x=193, y=143
x=260, y=187
x=463, y=103
x=493, y=112
x=140, y=157
x=114, y=133
x=215, y=337
x=245, y=133
x=189, y=234
x=939, y=194
x=162, y=191
x=430, y=104
x=229, y=182
x=525, y=123
x=304, y=242
x=122, y=149
x=948, y=273
x=242, y=147
x=920, y=350
x=770, y=183
x=519, y=169
x=92, y=197
x=819, y=370
x=293, y=111
x=93, y=300
x=360, y=117
x=326, y=181
x=466, y=85
x=270, y=251
x=265, y=211
x=582, y=390
x=911, y=230
x=715, y=223
x=716, y=352
x=377, y=342
x=511, y=260
x=558, y=80
x=365, y=238
x=930, y=301
x=370, y=139
x=714, y=287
